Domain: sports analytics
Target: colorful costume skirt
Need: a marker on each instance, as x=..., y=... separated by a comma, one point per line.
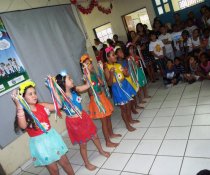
x=47, y=148
x=122, y=95
x=94, y=111
x=129, y=79
x=80, y=130
x=141, y=77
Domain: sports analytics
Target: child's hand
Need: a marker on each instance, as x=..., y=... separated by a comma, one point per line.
x=14, y=98
x=112, y=70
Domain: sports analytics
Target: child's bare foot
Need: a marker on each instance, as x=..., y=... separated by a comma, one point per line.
x=104, y=153
x=148, y=96
x=143, y=101
x=115, y=135
x=111, y=144
x=130, y=128
x=134, y=121
x=138, y=107
x=90, y=166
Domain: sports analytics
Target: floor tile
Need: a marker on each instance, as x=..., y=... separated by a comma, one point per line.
x=161, y=121
x=185, y=120
x=188, y=102
x=201, y=119
x=191, y=166
x=154, y=105
x=165, y=112
x=144, y=122
x=200, y=132
x=178, y=133
x=127, y=146
x=204, y=100
x=189, y=110
x=114, y=159
x=127, y=173
x=155, y=133
x=148, y=147
x=164, y=165
x=77, y=158
x=203, y=109
x=149, y=113
x=173, y=147
x=169, y=104
x=137, y=134
x=33, y=169
x=108, y=172
x=198, y=148
x=139, y=163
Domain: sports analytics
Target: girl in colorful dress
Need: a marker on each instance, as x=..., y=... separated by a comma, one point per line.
x=122, y=91
x=131, y=50
x=47, y=149
x=81, y=129
x=124, y=63
x=95, y=112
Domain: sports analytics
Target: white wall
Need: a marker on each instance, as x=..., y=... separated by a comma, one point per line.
x=120, y=8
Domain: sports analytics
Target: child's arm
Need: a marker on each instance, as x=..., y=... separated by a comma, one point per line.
x=82, y=88
x=19, y=111
x=109, y=75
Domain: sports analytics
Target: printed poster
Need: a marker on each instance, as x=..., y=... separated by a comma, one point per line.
x=12, y=71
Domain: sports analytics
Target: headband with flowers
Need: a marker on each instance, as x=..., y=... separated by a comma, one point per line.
x=25, y=85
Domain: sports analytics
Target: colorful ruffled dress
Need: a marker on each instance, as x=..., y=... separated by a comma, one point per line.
x=122, y=91
x=45, y=148
x=124, y=64
x=80, y=129
x=93, y=108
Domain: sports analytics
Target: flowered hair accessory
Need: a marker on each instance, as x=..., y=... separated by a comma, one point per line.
x=63, y=73
x=109, y=49
x=25, y=85
x=84, y=58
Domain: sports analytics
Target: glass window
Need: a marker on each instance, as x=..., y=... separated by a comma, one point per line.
x=165, y=1
x=182, y=4
x=104, y=32
x=160, y=10
x=157, y=2
x=167, y=8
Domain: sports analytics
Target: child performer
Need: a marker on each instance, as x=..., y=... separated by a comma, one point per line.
x=142, y=80
x=47, y=149
x=95, y=112
x=81, y=129
x=122, y=91
x=124, y=63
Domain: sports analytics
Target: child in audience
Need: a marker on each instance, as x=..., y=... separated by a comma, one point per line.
x=179, y=67
x=190, y=26
x=157, y=49
x=170, y=77
x=194, y=73
x=176, y=36
x=196, y=40
x=167, y=40
x=205, y=39
x=205, y=65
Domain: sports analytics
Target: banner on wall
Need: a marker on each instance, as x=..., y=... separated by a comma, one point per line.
x=12, y=72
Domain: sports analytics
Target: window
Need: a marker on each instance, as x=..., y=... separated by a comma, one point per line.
x=162, y=6
x=182, y=4
x=139, y=16
x=104, y=32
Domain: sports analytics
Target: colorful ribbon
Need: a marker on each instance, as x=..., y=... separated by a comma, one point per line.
x=101, y=73
x=65, y=101
x=133, y=71
x=96, y=97
x=27, y=108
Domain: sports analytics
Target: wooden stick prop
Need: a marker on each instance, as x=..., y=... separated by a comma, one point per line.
x=27, y=108
x=101, y=73
x=96, y=98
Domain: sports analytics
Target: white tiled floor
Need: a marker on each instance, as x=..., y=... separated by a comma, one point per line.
x=172, y=138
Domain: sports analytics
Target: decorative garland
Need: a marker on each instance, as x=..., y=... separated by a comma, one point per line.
x=93, y=3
